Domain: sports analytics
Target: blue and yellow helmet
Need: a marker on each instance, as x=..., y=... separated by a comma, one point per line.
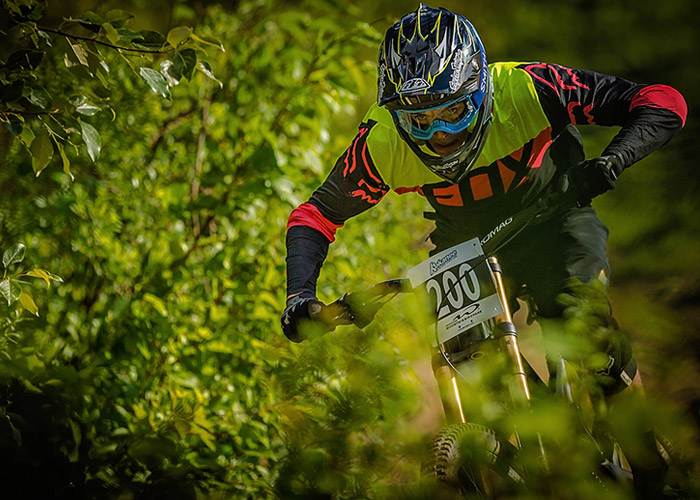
x=430, y=59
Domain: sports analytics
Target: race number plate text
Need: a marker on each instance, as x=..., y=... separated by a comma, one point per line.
x=459, y=280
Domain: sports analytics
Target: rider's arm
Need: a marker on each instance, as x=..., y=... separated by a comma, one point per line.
x=649, y=115
x=353, y=186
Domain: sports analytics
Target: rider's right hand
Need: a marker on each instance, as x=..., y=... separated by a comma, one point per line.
x=298, y=310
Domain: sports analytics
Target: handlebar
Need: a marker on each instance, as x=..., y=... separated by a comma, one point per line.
x=359, y=308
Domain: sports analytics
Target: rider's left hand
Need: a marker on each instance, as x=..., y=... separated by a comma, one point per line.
x=593, y=177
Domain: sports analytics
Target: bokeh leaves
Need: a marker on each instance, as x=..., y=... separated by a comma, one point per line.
x=42, y=115
x=166, y=329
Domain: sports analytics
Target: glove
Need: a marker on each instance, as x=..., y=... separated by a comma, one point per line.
x=298, y=309
x=593, y=177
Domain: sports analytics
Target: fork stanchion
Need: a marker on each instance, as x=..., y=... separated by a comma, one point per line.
x=508, y=336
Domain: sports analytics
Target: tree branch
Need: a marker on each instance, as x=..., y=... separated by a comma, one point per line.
x=100, y=42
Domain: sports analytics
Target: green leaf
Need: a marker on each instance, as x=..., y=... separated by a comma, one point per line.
x=12, y=8
x=45, y=37
x=14, y=254
x=14, y=126
x=208, y=40
x=11, y=91
x=11, y=290
x=264, y=158
x=93, y=63
x=26, y=137
x=128, y=35
x=43, y=274
x=110, y=32
x=149, y=39
x=42, y=152
x=24, y=59
x=5, y=290
x=92, y=140
x=40, y=273
x=91, y=17
x=117, y=17
x=178, y=35
x=28, y=303
x=156, y=81
x=184, y=62
x=157, y=303
x=87, y=109
x=65, y=160
x=91, y=21
x=80, y=53
x=204, y=67
x=23, y=10
x=169, y=71
x=37, y=96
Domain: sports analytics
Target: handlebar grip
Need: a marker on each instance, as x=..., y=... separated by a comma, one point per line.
x=358, y=308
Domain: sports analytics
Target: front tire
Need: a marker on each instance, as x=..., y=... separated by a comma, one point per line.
x=470, y=458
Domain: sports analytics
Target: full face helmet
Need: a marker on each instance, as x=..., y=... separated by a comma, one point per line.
x=433, y=76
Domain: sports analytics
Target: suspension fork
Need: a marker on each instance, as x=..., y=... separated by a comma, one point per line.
x=507, y=336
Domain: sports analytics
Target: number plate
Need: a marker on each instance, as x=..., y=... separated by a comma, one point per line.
x=460, y=281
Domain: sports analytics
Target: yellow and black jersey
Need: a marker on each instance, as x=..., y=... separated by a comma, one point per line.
x=532, y=139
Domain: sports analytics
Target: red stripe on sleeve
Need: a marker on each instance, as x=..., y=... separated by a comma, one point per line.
x=663, y=97
x=540, y=145
x=308, y=215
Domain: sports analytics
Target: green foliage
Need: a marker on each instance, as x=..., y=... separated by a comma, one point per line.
x=343, y=396
x=160, y=351
x=47, y=115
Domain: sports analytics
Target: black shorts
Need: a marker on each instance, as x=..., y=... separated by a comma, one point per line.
x=545, y=259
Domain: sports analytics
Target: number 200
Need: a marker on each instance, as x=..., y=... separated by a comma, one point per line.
x=456, y=295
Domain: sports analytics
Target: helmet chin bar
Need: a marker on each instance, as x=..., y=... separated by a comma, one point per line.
x=455, y=166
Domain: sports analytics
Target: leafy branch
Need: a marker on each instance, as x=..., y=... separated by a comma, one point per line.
x=101, y=42
x=11, y=286
x=24, y=98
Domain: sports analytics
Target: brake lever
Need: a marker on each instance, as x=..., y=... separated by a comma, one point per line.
x=361, y=310
x=333, y=314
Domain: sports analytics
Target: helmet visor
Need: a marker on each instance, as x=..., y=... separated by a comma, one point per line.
x=452, y=118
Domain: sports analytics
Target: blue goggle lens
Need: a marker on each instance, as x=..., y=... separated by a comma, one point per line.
x=415, y=122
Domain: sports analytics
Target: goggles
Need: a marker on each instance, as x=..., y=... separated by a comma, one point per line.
x=452, y=118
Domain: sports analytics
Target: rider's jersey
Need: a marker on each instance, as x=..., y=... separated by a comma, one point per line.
x=532, y=139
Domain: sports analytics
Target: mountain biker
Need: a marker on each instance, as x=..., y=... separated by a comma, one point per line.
x=478, y=141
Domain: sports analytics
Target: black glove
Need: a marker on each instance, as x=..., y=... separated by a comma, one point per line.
x=298, y=309
x=593, y=177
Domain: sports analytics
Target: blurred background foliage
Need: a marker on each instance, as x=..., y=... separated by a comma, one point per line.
x=157, y=369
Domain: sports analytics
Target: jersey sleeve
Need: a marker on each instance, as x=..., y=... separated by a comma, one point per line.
x=353, y=186
x=649, y=115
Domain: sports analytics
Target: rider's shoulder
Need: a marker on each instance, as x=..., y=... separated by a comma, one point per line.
x=381, y=127
x=511, y=76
